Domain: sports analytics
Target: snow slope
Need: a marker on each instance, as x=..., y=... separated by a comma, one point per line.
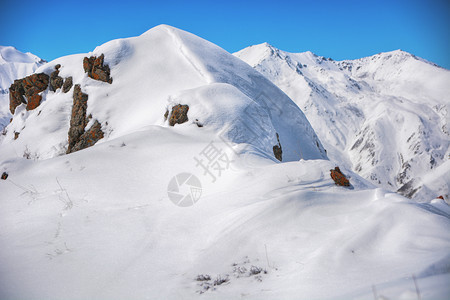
x=98, y=224
x=102, y=223
x=385, y=116
x=13, y=65
x=155, y=71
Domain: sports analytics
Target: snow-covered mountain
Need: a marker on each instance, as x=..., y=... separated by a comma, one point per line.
x=163, y=167
x=13, y=65
x=386, y=116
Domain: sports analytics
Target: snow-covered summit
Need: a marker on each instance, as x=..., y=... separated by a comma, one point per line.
x=151, y=73
x=385, y=116
x=10, y=54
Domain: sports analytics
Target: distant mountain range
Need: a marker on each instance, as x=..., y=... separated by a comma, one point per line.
x=386, y=116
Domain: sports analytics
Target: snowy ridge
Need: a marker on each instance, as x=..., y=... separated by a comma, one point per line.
x=13, y=65
x=385, y=116
x=152, y=72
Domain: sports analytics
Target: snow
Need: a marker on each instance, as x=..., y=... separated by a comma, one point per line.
x=160, y=65
x=100, y=224
x=385, y=116
x=109, y=230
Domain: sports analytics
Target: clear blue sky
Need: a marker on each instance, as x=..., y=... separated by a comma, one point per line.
x=345, y=29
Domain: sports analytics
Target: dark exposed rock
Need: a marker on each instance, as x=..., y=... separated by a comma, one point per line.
x=16, y=135
x=96, y=69
x=56, y=81
x=67, y=84
x=30, y=87
x=440, y=197
x=178, y=114
x=166, y=115
x=277, y=151
x=339, y=178
x=197, y=122
x=4, y=176
x=90, y=137
x=409, y=189
x=78, y=137
x=16, y=95
x=78, y=119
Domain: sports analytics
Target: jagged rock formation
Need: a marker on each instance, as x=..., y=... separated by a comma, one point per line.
x=68, y=83
x=96, y=69
x=338, y=177
x=78, y=120
x=30, y=87
x=89, y=138
x=277, y=151
x=4, y=175
x=178, y=114
x=79, y=138
x=56, y=81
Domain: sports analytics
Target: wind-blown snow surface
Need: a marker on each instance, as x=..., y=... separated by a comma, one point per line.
x=13, y=65
x=385, y=116
x=99, y=223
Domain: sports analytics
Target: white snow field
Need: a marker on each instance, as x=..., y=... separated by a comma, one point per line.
x=102, y=223
x=386, y=116
x=13, y=65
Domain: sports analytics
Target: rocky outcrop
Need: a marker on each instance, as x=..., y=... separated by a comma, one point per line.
x=4, y=176
x=26, y=90
x=78, y=120
x=79, y=138
x=68, y=83
x=339, y=178
x=56, y=81
x=89, y=138
x=96, y=69
x=178, y=114
x=277, y=151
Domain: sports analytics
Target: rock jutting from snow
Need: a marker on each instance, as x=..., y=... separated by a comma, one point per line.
x=79, y=138
x=56, y=81
x=30, y=87
x=4, y=175
x=67, y=84
x=339, y=178
x=277, y=151
x=178, y=114
x=96, y=69
x=89, y=138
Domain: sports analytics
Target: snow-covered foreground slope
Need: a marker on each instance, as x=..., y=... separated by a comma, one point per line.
x=99, y=224
x=385, y=116
x=13, y=65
